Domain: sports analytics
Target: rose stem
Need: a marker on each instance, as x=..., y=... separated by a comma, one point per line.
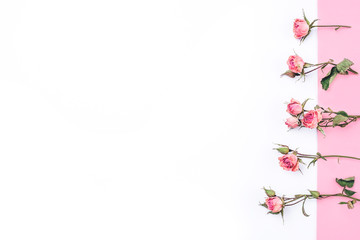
x=313, y=70
x=341, y=156
x=305, y=196
x=336, y=26
x=320, y=65
x=327, y=156
x=338, y=195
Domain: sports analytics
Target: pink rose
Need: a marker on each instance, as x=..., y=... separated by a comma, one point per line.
x=292, y=122
x=274, y=204
x=295, y=63
x=289, y=162
x=312, y=118
x=301, y=28
x=294, y=107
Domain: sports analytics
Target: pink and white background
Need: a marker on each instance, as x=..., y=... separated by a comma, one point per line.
x=155, y=119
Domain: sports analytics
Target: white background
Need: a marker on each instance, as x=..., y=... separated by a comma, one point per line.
x=149, y=119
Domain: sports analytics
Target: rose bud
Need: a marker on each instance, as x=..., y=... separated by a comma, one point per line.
x=283, y=149
x=274, y=204
x=350, y=204
x=289, y=162
x=312, y=118
x=300, y=29
x=315, y=194
x=269, y=192
x=294, y=107
x=295, y=63
x=292, y=122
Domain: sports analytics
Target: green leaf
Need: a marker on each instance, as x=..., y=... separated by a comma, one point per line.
x=304, y=103
x=353, y=71
x=329, y=78
x=350, y=181
x=342, y=202
x=321, y=156
x=307, y=65
x=307, y=21
x=344, y=66
x=341, y=182
x=290, y=74
x=313, y=162
x=347, y=182
x=301, y=161
x=339, y=119
x=264, y=205
x=349, y=193
x=312, y=23
x=274, y=213
x=343, y=113
x=303, y=209
x=315, y=194
x=303, y=38
x=321, y=130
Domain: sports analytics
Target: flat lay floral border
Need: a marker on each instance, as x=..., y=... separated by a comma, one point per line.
x=318, y=118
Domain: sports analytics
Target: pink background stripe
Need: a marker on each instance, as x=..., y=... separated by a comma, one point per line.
x=336, y=221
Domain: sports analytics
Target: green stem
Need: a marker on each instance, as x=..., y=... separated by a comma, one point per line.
x=339, y=195
x=306, y=156
x=351, y=118
x=313, y=70
x=341, y=156
x=293, y=199
x=319, y=65
x=300, y=200
x=335, y=26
